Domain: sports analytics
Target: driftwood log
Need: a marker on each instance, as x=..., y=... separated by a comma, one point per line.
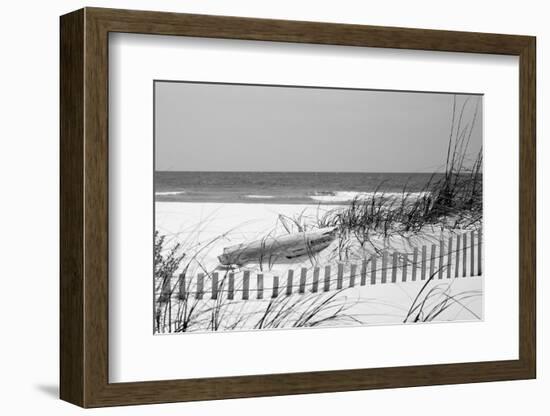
x=272, y=248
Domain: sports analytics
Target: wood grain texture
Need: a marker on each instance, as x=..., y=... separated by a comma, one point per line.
x=84, y=207
x=527, y=208
x=71, y=185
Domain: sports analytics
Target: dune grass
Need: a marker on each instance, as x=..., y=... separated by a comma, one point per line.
x=432, y=301
x=451, y=199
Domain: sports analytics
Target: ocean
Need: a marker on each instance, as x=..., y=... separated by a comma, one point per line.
x=284, y=187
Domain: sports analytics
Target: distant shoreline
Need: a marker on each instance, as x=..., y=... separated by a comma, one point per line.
x=327, y=198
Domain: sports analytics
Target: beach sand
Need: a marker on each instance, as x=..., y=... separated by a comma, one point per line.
x=213, y=226
x=210, y=227
x=204, y=229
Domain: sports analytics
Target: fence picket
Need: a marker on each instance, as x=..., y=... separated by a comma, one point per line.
x=394, y=267
x=363, y=273
x=289, y=282
x=405, y=261
x=449, y=257
x=303, y=276
x=372, y=269
x=423, y=265
x=231, y=286
x=260, y=286
x=182, y=288
x=479, y=252
x=472, y=255
x=246, y=284
x=200, y=286
x=384, y=266
x=275, y=292
x=340, y=277
x=327, y=279
x=464, y=252
x=441, y=254
x=165, y=291
x=414, y=264
x=432, y=261
x=315, y=282
x=457, y=263
x=215, y=285
x=352, y=272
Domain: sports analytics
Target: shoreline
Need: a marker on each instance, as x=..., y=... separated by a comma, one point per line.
x=254, y=201
x=318, y=198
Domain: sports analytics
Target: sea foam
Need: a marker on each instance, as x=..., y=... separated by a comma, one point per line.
x=260, y=196
x=346, y=196
x=169, y=193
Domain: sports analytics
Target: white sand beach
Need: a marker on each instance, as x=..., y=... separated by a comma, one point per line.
x=204, y=229
x=212, y=226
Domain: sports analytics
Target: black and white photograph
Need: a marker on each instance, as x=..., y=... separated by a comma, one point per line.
x=282, y=206
x=279, y=207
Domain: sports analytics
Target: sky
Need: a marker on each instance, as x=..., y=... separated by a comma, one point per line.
x=238, y=127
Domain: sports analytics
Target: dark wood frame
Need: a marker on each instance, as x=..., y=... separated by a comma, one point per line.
x=84, y=207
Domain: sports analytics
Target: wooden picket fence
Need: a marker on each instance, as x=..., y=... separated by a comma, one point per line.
x=458, y=256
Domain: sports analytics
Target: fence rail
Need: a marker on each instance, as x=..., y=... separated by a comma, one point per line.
x=459, y=257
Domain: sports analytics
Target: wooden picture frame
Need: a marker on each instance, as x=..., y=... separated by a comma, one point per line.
x=84, y=207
